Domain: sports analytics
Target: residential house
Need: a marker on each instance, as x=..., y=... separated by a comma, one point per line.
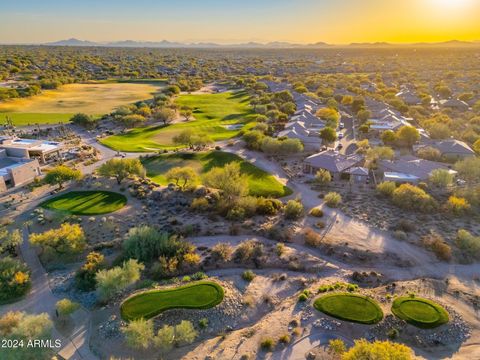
x=409, y=169
x=409, y=97
x=337, y=164
x=30, y=148
x=455, y=104
x=15, y=171
x=451, y=148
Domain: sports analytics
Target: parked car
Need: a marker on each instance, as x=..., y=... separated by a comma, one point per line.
x=341, y=126
x=340, y=136
x=339, y=147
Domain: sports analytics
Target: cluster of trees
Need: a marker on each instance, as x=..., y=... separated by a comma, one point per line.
x=408, y=196
x=64, y=243
x=140, y=334
x=168, y=254
x=258, y=139
x=14, y=279
x=195, y=140
x=61, y=174
x=20, y=326
x=363, y=350
x=406, y=136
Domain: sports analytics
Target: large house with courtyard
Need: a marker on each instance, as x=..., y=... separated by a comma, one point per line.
x=16, y=171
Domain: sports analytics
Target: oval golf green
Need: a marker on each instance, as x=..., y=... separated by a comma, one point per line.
x=350, y=307
x=148, y=304
x=420, y=312
x=86, y=202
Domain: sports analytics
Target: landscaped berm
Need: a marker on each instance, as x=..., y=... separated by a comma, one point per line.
x=260, y=183
x=148, y=304
x=86, y=202
x=350, y=307
x=420, y=312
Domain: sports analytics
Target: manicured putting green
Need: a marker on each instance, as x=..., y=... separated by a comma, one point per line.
x=86, y=202
x=420, y=312
x=260, y=183
x=350, y=307
x=148, y=304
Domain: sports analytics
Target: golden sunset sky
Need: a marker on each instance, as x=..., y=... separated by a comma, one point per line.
x=227, y=21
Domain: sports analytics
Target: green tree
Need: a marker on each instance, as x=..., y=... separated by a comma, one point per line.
x=408, y=196
x=229, y=180
x=59, y=175
x=182, y=176
x=407, y=136
x=164, y=115
x=328, y=134
x=165, y=338
x=83, y=120
x=388, y=137
x=120, y=169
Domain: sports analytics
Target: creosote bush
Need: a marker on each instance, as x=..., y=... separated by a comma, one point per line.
x=294, y=209
x=333, y=199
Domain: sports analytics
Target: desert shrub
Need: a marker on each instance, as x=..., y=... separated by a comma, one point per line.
x=138, y=333
x=285, y=339
x=400, y=235
x=200, y=204
x=267, y=344
x=302, y=297
x=323, y=177
x=408, y=196
x=185, y=333
x=392, y=334
x=316, y=212
x=66, y=307
x=9, y=240
x=293, y=209
x=85, y=276
x=61, y=243
x=145, y=243
x=405, y=226
x=441, y=178
x=222, y=252
x=380, y=350
x=279, y=233
x=468, y=243
x=386, y=188
x=203, y=323
x=458, y=205
x=14, y=279
x=248, y=275
x=280, y=249
x=333, y=199
x=311, y=238
x=268, y=206
x=248, y=250
x=199, y=275
x=336, y=346
x=110, y=282
x=248, y=204
x=165, y=338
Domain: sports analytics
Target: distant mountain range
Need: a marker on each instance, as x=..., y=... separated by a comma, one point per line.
x=270, y=45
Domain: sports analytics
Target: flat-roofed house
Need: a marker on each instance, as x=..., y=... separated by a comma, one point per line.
x=15, y=171
x=30, y=148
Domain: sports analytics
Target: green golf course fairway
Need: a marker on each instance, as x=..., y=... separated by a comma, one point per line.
x=59, y=105
x=260, y=182
x=420, y=312
x=350, y=307
x=86, y=202
x=148, y=304
x=213, y=114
